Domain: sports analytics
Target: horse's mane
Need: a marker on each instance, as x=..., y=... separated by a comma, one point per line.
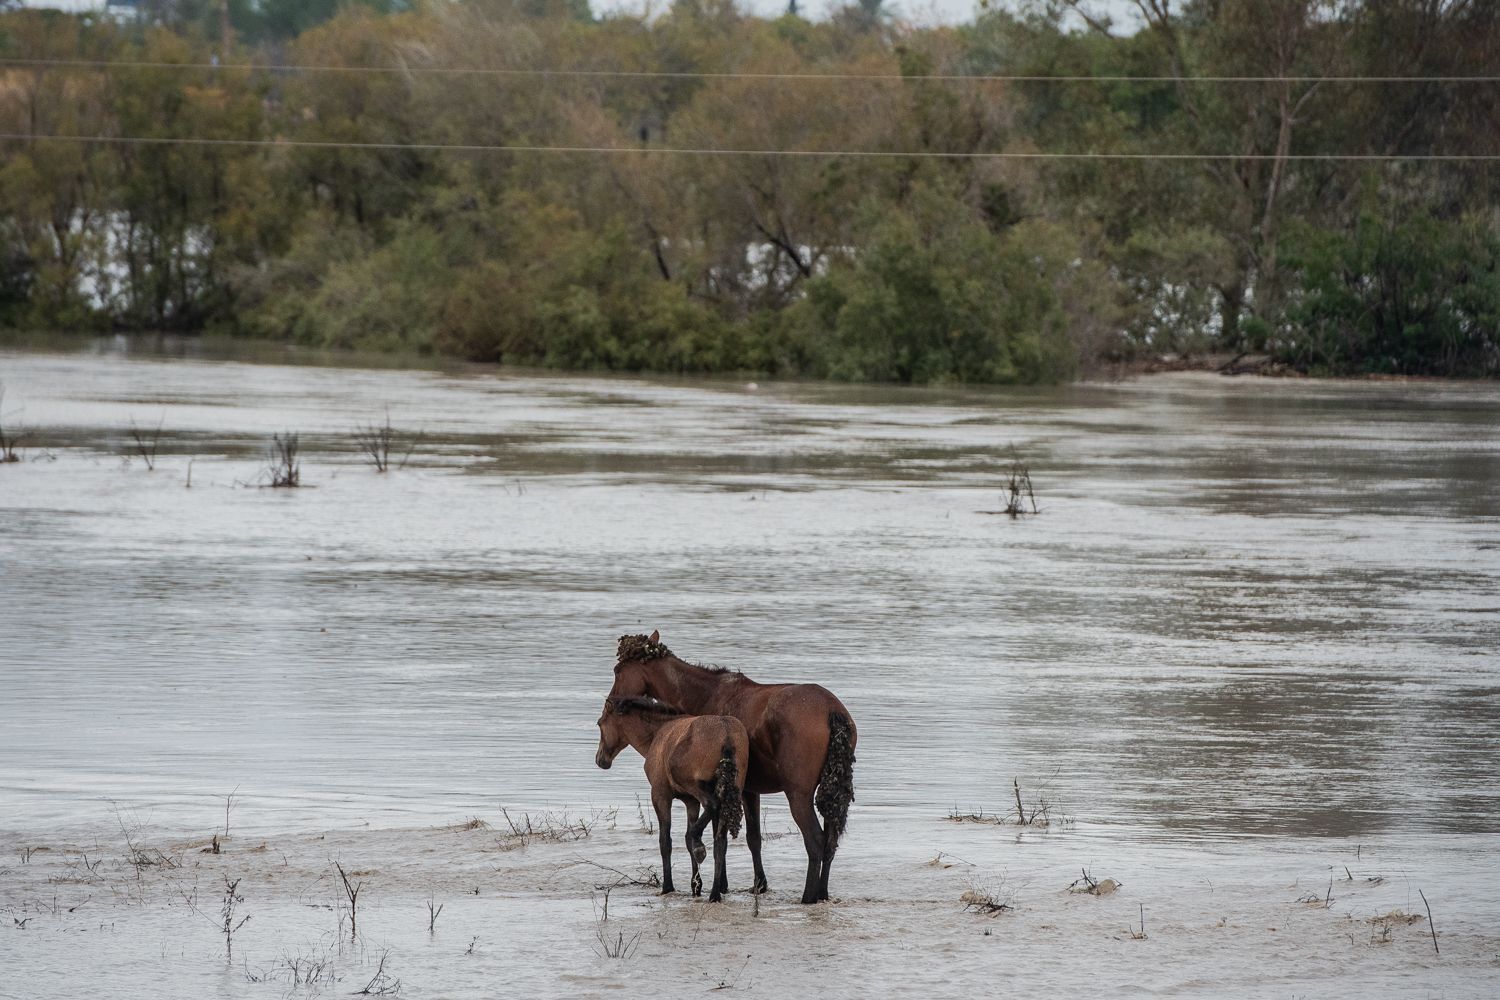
x=633, y=648
x=625, y=706
x=640, y=647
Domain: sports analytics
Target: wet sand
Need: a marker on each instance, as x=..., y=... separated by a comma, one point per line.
x=524, y=916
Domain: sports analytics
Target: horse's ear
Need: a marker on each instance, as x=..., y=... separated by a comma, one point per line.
x=655, y=636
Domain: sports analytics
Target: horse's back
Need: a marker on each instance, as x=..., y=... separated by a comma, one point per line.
x=688, y=750
x=789, y=735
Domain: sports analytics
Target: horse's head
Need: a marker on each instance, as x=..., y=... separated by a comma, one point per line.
x=636, y=672
x=611, y=734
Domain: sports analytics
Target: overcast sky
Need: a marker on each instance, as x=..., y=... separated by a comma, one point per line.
x=915, y=11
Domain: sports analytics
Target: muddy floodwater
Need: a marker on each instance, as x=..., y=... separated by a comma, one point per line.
x=1244, y=662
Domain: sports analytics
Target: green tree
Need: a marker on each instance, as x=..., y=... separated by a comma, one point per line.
x=1414, y=296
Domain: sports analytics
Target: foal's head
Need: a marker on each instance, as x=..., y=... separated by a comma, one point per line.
x=615, y=724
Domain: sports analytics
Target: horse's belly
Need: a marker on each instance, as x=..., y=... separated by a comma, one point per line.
x=762, y=780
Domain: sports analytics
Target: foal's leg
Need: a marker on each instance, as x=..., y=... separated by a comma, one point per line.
x=663, y=806
x=694, y=841
x=812, y=840
x=752, y=839
x=696, y=825
x=721, y=851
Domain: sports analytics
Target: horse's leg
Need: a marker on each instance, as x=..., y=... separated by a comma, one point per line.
x=752, y=839
x=663, y=806
x=812, y=839
x=721, y=852
x=694, y=841
x=828, y=852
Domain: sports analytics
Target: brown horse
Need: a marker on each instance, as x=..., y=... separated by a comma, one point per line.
x=700, y=759
x=802, y=741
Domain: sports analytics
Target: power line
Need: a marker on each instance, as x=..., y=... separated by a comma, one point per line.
x=444, y=147
x=696, y=75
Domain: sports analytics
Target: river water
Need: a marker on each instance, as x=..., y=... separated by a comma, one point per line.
x=1244, y=658
x=1249, y=610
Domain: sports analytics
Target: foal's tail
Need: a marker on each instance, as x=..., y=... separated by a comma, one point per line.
x=836, y=783
x=727, y=791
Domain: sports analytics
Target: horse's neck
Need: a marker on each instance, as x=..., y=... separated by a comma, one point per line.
x=688, y=687
x=641, y=730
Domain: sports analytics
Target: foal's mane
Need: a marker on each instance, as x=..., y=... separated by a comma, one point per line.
x=624, y=706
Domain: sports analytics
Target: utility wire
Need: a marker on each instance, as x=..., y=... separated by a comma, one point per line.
x=445, y=147
x=694, y=75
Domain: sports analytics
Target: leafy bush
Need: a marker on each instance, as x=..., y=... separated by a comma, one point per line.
x=932, y=295
x=1419, y=296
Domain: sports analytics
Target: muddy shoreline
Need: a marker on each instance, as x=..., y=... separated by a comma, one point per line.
x=217, y=347
x=472, y=907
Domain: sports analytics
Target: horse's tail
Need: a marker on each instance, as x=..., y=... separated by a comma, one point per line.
x=727, y=791
x=836, y=783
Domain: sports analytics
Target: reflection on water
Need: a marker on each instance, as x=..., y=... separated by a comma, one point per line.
x=1247, y=607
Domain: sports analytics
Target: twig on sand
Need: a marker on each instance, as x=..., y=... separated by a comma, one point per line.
x=228, y=804
x=8, y=442
x=284, y=469
x=145, y=445
x=619, y=946
x=945, y=860
x=726, y=982
x=351, y=892
x=549, y=826
x=1018, y=488
x=646, y=877
x=380, y=984
x=988, y=899
x=225, y=924
x=1090, y=886
x=1430, y=925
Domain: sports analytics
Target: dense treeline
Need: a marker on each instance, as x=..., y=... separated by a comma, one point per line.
x=858, y=267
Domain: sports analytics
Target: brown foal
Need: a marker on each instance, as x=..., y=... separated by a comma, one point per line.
x=802, y=741
x=700, y=759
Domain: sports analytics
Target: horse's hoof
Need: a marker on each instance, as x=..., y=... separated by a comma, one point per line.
x=666, y=890
x=714, y=897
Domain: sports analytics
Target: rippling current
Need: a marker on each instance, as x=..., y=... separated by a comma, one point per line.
x=1247, y=607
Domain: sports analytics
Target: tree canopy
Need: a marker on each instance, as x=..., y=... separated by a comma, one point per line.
x=1260, y=176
